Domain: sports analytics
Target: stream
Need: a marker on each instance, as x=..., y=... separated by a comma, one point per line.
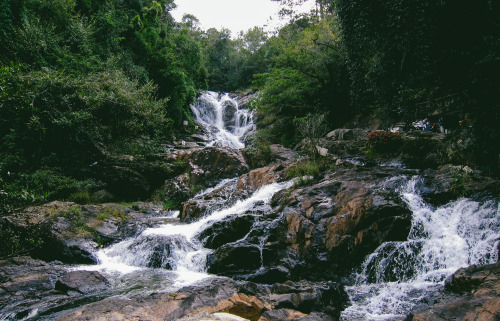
x=397, y=276
x=392, y=280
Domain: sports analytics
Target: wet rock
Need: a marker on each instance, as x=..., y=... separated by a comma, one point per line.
x=246, y=300
x=193, y=210
x=177, y=189
x=207, y=167
x=221, y=195
x=267, y=275
x=72, y=233
x=227, y=231
x=307, y=297
x=229, y=115
x=234, y=259
x=27, y=286
x=255, y=179
x=450, y=182
x=82, y=282
x=281, y=314
x=276, y=154
x=211, y=164
x=473, y=294
x=162, y=306
x=319, y=231
x=79, y=251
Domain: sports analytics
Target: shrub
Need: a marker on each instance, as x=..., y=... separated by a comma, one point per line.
x=307, y=172
x=384, y=141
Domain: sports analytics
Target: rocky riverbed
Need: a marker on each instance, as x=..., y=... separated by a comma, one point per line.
x=287, y=258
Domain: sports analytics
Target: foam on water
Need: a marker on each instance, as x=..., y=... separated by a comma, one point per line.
x=221, y=115
x=174, y=246
x=398, y=275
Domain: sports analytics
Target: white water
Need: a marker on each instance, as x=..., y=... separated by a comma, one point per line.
x=175, y=247
x=399, y=275
x=221, y=115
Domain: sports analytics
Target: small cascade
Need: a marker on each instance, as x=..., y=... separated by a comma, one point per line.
x=399, y=275
x=222, y=117
x=174, y=247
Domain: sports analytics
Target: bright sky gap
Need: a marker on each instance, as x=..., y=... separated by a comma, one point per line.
x=235, y=15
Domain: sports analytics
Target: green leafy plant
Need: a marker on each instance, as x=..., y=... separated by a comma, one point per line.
x=306, y=172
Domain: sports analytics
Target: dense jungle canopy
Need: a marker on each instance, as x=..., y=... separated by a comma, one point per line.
x=81, y=80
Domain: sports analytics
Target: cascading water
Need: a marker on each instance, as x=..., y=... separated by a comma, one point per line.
x=222, y=117
x=399, y=275
x=173, y=249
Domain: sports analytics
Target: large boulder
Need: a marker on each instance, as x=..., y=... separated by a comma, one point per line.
x=269, y=155
x=211, y=164
x=82, y=282
x=229, y=115
x=319, y=231
x=205, y=167
x=343, y=134
x=227, y=231
x=473, y=293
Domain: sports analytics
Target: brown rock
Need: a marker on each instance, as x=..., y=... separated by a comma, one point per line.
x=259, y=177
x=475, y=296
x=83, y=282
x=281, y=314
x=211, y=164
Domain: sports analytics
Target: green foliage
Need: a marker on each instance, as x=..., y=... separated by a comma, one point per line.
x=44, y=185
x=409, y=59
x=461, y=178
x=49, y=118
x=259, y=155
x=382, y=141
x=84, y=80
x=170, y=205
x=306, y=77
x=312, y=128
x=16, y=241
x=307, y=172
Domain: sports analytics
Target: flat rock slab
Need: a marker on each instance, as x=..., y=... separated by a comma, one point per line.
x=83, y=282
x=222, y=299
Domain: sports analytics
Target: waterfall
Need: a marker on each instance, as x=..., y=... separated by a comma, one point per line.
x=222, y=117
x=399, y=275
x=174, y=247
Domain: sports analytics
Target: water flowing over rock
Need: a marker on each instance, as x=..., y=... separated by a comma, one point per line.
x=223, y=119
x=473, y=293
x=29, y=287
x=401, y=275
x=393, y=234
x=206, y=167
x=318, y=231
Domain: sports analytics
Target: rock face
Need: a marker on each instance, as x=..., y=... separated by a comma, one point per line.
x=220, y=195
x=246, y=300
x=206, y=167
x=473, y=293
x=72, y=233
x=29, y=286
x=318, y=231
x=83, y=282
x=128, y=178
